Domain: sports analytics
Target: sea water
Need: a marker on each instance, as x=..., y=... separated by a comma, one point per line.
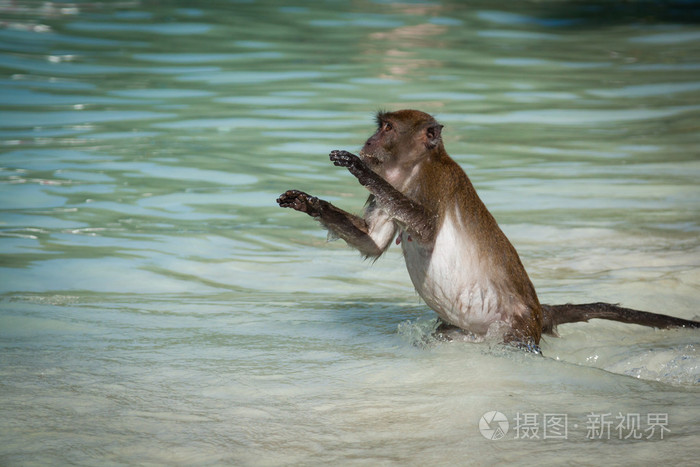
x=158, y=308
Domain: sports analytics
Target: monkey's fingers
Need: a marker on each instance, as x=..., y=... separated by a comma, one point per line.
x=299, y=201
x=289, y=197
x=342, y=158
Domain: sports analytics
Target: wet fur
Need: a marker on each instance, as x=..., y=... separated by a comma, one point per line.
x=459, y=260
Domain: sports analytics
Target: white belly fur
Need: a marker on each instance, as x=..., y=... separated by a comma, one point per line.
x=451, y=278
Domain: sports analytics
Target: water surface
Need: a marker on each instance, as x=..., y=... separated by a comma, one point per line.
x=157, y=307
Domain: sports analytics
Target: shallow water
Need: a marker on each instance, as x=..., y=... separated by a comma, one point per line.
x=157, y=307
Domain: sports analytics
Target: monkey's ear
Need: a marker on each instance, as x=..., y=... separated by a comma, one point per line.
x=432, y=135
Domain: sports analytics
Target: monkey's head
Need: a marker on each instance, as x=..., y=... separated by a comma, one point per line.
x=403, y=138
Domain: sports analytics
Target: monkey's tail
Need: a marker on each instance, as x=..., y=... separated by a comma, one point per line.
x=555, y=315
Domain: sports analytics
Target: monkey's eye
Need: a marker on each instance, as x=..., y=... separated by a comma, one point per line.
x=386, y=126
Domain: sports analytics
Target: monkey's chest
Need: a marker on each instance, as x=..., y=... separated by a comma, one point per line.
x=448, y=277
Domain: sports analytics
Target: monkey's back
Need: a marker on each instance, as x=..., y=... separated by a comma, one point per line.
x=472, y=275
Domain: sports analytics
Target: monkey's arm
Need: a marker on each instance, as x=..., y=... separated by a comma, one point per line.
x=371, y=235
x=408, y=213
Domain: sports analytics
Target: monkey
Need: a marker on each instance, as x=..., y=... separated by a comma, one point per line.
x=459, y=260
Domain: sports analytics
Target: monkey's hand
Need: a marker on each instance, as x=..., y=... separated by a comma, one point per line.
x=300, y=201
x=353, y=163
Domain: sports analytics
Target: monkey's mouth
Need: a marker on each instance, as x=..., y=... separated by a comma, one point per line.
x=372, y=161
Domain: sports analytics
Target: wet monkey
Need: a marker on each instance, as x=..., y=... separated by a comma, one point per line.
x=457, y=257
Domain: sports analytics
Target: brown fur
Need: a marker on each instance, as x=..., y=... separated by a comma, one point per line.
x=415, y=186
x=442, y=184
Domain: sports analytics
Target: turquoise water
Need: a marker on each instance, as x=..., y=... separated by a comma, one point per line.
x=157, y=307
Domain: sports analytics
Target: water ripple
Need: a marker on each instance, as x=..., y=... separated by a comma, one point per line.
x=155, y=28
x=21, y=119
